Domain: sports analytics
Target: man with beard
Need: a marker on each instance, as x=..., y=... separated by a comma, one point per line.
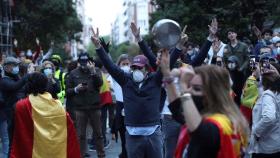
x=82, y=89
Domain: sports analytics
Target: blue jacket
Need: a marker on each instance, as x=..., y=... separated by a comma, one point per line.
x=199, y=58
x=141, y=104
x=175, y=54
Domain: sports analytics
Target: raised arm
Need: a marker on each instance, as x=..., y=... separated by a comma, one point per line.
x=199, y=58
x=175, y=53
x=191, y=114
x=118, y=74
x=143, y=45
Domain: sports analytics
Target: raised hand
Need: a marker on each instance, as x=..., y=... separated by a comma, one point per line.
x=135, y=31
x=105, y=45
x=164, y=62
x=15, y=42
x=52, y=44
x=186, y=75
x=37, y=41
x=95, y=38
x=213, y=28
x=257, y=32
x=184, y=38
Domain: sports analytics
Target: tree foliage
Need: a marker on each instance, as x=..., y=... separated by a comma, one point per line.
x=46, y=19
x=131, y=49
x=238, y=14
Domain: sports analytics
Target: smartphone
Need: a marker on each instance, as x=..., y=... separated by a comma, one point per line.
x=252, y=63
x=265, y=65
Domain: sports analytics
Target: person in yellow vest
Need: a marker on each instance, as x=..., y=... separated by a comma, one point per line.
x=60, y=75
x=216, y=127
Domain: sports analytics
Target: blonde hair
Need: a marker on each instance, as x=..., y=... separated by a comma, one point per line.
x=217, y=90
x=45, y=63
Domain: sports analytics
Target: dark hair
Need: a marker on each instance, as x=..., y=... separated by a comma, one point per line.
x=122, y=57
x=231, y=29
x=72, y=65
x=271, y=81
x=267, y=31
x=277, y=66
x=37, y=83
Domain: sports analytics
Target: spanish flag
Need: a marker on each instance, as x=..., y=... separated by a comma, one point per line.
x=42, y=129
x=105, y=93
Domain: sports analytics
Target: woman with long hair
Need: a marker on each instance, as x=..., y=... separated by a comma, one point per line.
x=216, y=128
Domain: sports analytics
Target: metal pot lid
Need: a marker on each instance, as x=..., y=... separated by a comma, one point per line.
x=166, y=33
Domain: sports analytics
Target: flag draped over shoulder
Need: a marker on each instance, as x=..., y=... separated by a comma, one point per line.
x=42, y=129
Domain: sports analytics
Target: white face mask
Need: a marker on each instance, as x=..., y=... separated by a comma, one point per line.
x=278, y=50
x=125, y=69
x=231, y=66
x=138, y=76
x=29, y=53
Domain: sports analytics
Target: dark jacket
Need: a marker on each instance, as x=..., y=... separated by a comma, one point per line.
x=54, y=88
x=90, y=98
x=241, y=51
x=200, y=57
x=141, y=104
x=175, y=53
x=13, y=89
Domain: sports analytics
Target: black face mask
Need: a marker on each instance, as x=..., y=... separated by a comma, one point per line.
x=198, y=101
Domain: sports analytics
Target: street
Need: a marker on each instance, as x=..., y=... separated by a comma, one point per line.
x=111, y=152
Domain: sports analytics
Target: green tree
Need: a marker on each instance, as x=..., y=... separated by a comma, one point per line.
x=197, y=14
x=46, y=19
x=115, y=51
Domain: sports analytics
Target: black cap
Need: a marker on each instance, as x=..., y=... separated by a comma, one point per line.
x=83, y=58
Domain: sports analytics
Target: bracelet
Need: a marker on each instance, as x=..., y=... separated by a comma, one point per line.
x=168, y=80
x=186, y=96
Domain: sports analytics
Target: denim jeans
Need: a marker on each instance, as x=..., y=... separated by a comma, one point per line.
x=145, y=146
x=171, y=130
x=4, y=137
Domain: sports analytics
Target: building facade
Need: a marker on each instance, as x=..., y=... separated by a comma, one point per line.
x=137, y=11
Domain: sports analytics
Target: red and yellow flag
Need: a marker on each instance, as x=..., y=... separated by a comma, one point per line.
x=105, y=93
x=42, y=129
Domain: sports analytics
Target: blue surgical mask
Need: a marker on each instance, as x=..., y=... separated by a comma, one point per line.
x=15, y=70
x=48, y=72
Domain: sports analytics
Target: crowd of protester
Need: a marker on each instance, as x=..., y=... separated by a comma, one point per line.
x=220, y=100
